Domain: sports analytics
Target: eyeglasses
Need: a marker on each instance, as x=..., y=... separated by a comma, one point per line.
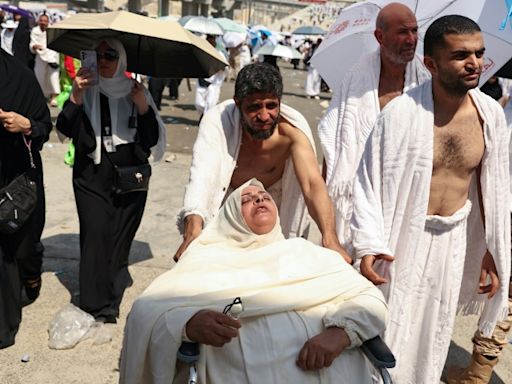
x=234, y=309
x=247, y=198
x=109, y=54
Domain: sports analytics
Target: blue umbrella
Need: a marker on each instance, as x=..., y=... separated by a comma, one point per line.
x=16, y=10
x=309, y=30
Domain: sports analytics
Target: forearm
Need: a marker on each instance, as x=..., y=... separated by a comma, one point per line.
x=193, y=226
x=321, y=210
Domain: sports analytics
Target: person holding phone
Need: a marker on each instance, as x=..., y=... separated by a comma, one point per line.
x=97, y=119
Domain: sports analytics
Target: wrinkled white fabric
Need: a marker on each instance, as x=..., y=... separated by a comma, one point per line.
x=6, y=37
x=214, y=160
x=313, y=81
x=346, y=125
x=391, y=195
x=423, y=305
x=118, y=89
x=291, y=290
x=208, y=97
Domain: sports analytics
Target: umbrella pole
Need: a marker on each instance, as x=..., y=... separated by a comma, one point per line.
x=132, y=121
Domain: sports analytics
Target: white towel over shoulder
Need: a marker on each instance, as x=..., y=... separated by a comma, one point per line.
x=214, y=159
x=391, y=195
x=346, y=125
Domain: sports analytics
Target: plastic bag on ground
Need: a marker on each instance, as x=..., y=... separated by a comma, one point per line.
x=68, y=327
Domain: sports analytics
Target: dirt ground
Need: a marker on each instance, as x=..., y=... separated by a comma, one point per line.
x=151, y=254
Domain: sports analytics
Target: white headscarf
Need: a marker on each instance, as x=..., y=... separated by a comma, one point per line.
x=229, y=228
x=117, y=89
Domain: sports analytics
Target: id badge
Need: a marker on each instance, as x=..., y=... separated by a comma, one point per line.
x=109, y=144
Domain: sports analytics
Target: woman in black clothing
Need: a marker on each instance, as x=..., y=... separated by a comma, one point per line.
x=97, y=119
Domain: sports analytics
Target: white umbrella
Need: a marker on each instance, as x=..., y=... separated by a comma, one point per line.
x=234, y=39
x=279, y=50
x=351, y=35
x=489, y=14
x=201, y=24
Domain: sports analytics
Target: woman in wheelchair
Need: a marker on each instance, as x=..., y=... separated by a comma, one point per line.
x=305, y=309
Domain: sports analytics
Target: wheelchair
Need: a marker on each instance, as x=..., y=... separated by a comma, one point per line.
x=375, y=350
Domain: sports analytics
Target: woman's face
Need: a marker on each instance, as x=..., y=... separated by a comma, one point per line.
x=258, y=210
x=108, y=58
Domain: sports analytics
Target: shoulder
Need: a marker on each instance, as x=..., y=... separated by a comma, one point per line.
x=294, y=122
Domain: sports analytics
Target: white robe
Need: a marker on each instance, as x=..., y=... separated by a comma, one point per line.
x=391, y=195
x=208, y=97
x=7, y=36
x=47, y=77
x=214, y=160
x=345, y=127
x=288, y=297
x=313, y=81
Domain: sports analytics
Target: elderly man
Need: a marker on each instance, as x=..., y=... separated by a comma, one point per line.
x=257, y=136
x=46, y=67
x=372, y=83
x=435, y=168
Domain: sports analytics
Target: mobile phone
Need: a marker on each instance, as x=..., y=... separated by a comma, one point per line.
x=90, y=61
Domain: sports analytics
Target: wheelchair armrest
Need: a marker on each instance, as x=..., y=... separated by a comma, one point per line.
x=188, y=352
x=378, y=353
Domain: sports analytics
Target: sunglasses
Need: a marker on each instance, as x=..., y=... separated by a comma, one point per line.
x=109, y=54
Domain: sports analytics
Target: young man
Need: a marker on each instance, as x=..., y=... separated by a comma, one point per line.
x=375, y=80
x=255, y=135
x=436, y=166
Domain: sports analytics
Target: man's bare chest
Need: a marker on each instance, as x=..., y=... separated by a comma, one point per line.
x=459, y=145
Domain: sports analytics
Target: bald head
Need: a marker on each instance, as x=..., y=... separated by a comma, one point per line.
x=390, y=13
x=396, y=30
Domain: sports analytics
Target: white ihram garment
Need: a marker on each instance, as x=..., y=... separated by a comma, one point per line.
x=291, y=291
x=214, y=160
x=47, y=77
x=346, y=125
x=313, y=81
x=208, y=97
x=391, y=195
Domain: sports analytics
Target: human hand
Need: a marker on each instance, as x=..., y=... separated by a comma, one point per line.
x=193, y=228
x=183, y=247
x=83, y=79
x=488, y=270
x=212, y=328
x=335, y=245
x=14, y=122
x=367, y=268
x=321, y=350
x=139, y=98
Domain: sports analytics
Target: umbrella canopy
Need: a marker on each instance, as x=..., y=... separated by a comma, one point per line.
x=234, y=39
x=153, y=47
x=16, y=10
x=308, y=30
x=229, y=25
x=351, y=35
x=201, y=24
x=279, y=50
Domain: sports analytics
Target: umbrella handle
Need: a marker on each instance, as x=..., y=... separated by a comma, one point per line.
x=132, y=121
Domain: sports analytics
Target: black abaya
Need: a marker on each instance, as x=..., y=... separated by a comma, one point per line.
x=108, y=221
x=19, y=92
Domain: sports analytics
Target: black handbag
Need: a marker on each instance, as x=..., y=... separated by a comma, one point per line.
x=18, y=200
x=131, y=178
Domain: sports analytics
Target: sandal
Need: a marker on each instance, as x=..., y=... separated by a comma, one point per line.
x=33, y=288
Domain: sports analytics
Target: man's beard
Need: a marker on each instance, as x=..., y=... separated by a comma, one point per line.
x=259, y=134
x=457, y=87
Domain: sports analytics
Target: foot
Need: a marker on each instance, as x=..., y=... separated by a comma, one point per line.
x=33, y=288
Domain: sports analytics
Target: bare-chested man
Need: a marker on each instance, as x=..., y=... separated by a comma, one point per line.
x=257, y=136
x=436, y=166
x=373, y=82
